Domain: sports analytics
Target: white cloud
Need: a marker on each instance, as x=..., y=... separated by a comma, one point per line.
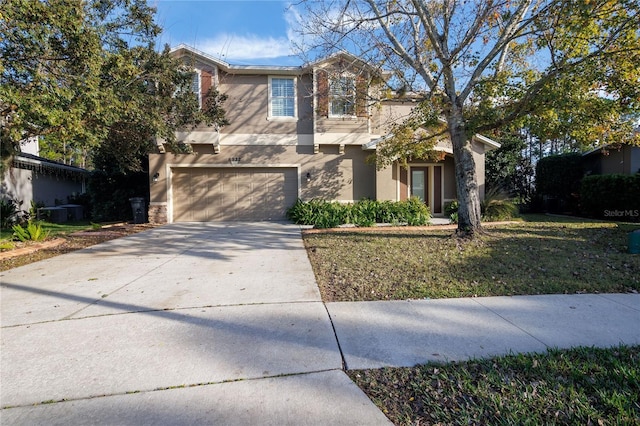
x=242, y=47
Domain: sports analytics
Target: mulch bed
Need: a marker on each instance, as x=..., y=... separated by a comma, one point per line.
x=30, y=252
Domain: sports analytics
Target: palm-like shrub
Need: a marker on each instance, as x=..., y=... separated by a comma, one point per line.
x=33, y=231
x=9, y=212
x=497, y=206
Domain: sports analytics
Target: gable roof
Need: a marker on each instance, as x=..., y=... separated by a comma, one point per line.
x=341, y=55
x=183, y=50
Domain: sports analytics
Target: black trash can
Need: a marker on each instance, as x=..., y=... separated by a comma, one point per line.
x=138, y=207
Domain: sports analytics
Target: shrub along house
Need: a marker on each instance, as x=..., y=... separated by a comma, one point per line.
x=295, y=132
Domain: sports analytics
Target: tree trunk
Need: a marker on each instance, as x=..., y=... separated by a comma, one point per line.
x=466, y=179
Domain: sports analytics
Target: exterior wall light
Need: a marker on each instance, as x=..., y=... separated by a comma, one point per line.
x=156, y=175
x=308, y=177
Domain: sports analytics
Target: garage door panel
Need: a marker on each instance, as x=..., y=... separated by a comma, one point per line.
x=210, y=194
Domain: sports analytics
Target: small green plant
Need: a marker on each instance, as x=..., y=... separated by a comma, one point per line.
x=364, y=213
x=33, y=209
x=9, y=212
x=33, y=231
x=6, y=245
x=418, y=213
x=319, y=213
x=497, y=206
x=454, y=217
x=451, y=210
x=96, y=226
x=332, y=214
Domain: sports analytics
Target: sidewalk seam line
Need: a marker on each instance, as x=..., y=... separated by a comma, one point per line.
x=145, y=311
x=604, y=296
x=335, y=334
x=510, y=322
x=166, y=388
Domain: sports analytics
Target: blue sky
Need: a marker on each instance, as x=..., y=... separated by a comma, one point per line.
x=255, y=32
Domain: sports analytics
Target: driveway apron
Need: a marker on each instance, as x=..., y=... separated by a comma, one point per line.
x=186, y=323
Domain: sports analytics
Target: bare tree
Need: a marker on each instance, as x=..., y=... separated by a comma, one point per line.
x=483, y=64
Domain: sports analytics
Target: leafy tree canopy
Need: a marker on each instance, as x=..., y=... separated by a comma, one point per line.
x=566, y=66
x=85, y=75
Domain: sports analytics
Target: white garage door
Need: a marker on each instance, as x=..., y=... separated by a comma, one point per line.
x=233, y=194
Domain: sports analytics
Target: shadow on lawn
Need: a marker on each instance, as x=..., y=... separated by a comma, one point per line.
x=516, y=259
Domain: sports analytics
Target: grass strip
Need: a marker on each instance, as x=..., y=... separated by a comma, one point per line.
x=54, y=229
x=542, y=256
x=582, y=386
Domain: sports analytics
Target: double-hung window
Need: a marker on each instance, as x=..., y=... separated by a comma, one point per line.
x=342, y=96
x=196, y=86
x=282, y=97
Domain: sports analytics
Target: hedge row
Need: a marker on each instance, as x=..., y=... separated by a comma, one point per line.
x=611, y=197
x=330, y=214
x=559, y=175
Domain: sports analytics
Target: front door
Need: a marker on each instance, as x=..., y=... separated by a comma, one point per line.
x=427, y=186
x=420, y=183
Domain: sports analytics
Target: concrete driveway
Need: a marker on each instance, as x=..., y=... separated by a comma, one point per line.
x=223, y=324
x=182, y=324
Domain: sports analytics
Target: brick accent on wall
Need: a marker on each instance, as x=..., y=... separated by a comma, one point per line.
x=158, y=213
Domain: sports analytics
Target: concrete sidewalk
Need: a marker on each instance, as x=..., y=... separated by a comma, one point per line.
x=223, y=324
x=406, y=333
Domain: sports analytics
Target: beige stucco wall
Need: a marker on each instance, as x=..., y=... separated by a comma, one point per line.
x=387, y=179
x=387, y=184
x=392, y=113
x=478, y=150
x=337, y=169
x=247, y=106
x=328, y=128
x=333, y=176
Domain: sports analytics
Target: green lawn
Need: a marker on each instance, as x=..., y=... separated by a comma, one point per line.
x=541, y=255
x=583, y=386
x=54, y=229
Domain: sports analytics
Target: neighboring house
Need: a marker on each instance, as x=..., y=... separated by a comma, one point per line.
x=623, y=159
x=33, y=178
x=295, y=132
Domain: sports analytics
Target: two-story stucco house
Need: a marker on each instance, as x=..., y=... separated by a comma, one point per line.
x=295, y=132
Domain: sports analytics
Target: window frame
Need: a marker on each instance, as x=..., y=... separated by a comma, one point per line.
x=271, y=98
x=197, y=78
x=344, y=97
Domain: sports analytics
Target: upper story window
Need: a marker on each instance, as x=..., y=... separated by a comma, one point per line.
x=342, y=96
x=282, y=97
x=196, y=86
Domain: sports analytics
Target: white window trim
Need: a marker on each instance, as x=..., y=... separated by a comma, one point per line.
x=270, y=115
x=355, y=96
